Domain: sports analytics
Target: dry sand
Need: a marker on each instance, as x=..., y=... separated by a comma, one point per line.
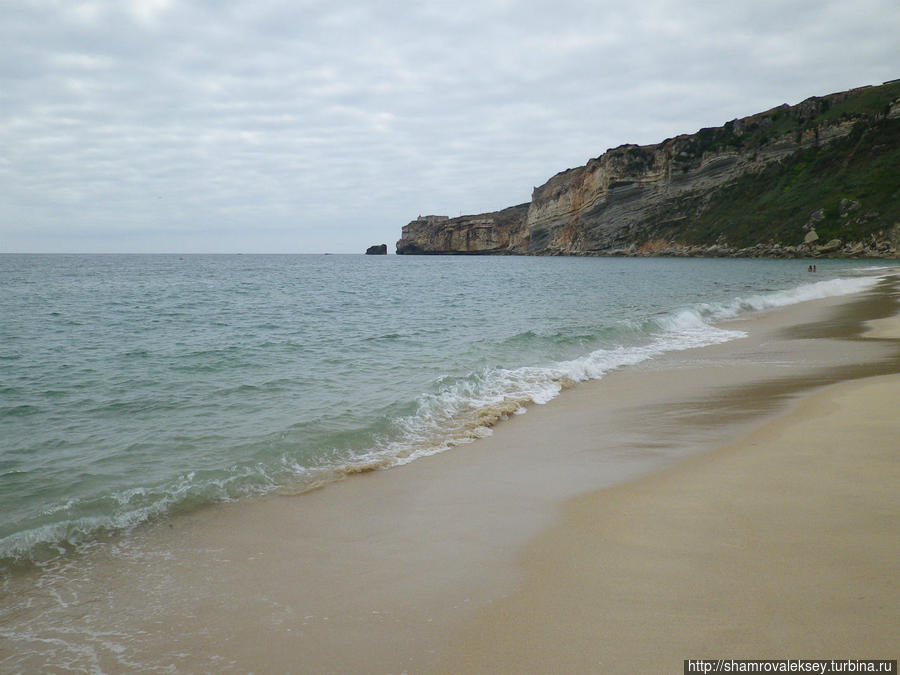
x=785, y=544
x=886, y=328
x=782, y=545
x=590, y=535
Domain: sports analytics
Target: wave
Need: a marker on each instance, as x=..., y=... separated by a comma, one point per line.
x=80, y=522
x=464, y=409
x=804, y=293
x=457, y=410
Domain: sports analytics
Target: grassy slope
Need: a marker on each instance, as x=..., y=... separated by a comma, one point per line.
x=774, y=205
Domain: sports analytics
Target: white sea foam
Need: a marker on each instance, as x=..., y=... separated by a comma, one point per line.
x=135, y=506
x=464, y=410
x=456, y=410
x=803, y=293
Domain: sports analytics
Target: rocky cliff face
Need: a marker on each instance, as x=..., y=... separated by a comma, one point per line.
x=489, y=233
x=697, y=194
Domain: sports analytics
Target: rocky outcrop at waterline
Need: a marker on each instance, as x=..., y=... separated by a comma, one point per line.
x=817, y=179
x=500, y=232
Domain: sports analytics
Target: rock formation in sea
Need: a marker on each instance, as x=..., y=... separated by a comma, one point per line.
x=819, y=178
x=377, y=249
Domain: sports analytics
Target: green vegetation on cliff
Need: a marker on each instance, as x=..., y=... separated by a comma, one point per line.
x=847, y=189
x=819, y=178
x=866, y=104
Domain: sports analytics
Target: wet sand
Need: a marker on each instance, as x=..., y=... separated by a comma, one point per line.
x=603, y=532
x=783, y=545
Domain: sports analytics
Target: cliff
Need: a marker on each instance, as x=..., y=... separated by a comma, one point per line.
x=818, y=178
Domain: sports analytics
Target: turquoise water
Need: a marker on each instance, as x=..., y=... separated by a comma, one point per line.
x=138, y=386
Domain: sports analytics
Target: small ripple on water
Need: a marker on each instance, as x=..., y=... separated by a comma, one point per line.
x=245, y=374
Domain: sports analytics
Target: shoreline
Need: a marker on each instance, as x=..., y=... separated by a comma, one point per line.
x=390, y=570
x=719, y=556
x=780, y=544
x=63, y=527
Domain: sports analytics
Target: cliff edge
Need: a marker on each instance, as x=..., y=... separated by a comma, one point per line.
x=819, y=178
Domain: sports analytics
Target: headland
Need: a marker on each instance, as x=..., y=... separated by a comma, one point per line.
x=814, y=179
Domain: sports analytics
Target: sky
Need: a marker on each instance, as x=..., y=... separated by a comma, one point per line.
x=307, y=126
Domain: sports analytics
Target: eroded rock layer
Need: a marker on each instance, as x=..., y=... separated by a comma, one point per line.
x=817, y=178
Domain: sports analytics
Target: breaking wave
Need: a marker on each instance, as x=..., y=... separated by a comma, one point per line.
x=455, y=409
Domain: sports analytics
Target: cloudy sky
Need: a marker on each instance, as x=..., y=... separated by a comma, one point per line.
x=306, y=126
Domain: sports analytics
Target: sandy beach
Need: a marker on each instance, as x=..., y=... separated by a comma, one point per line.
x=783, y=545
x=734, y=501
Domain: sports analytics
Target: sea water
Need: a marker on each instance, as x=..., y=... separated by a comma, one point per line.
x=135, y=387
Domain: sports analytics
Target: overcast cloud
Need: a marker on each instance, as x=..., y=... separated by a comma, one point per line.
x=308, y=126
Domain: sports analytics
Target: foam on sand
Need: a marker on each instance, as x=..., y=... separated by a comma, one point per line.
x=784, y=544
x=772, y=546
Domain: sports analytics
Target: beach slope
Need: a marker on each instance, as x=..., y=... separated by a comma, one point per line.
x=784, y=544
x=734, y=501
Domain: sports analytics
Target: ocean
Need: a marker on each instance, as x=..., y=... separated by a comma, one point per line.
x=136, y=387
